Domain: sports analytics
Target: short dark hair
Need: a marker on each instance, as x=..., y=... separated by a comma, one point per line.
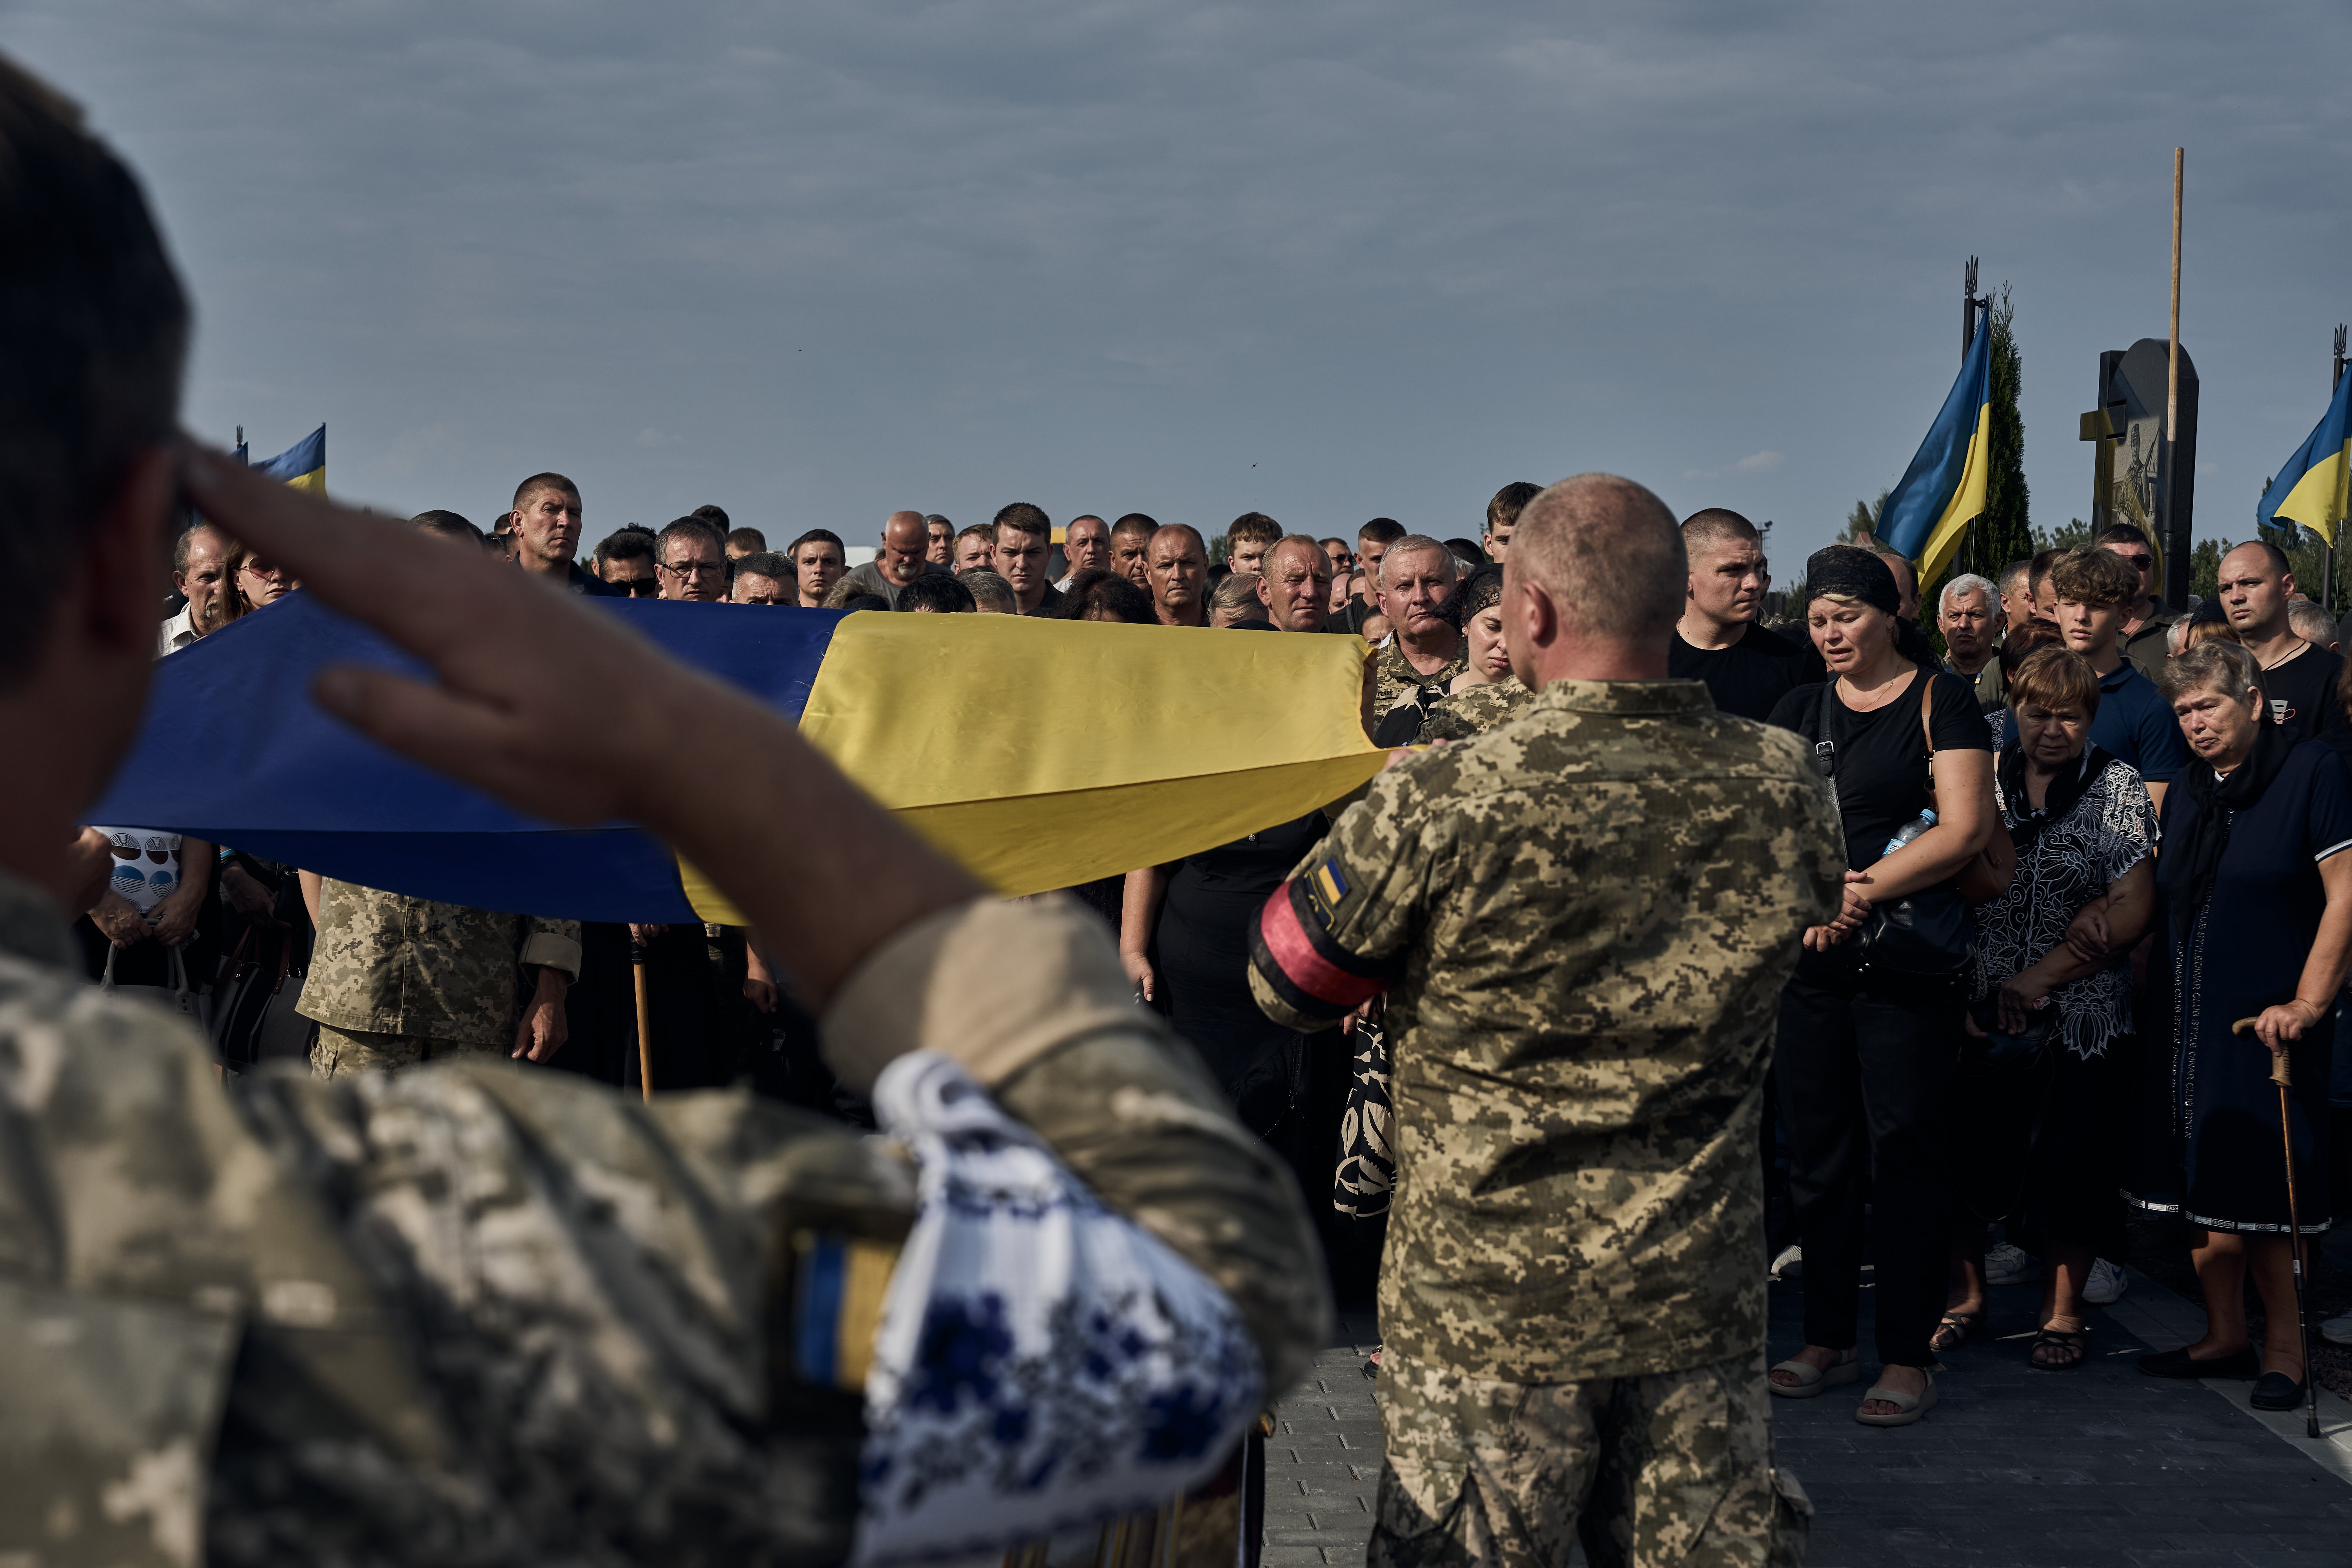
x=686, y=528
x=447, y=524
x=1135, y=522
x=859, y=601
x=750, y=539
x=2039, y=570
x=1098, y=591
x=932, y=518
x=2038, y=631
x=816, y=536
x=2054, y=677
x=1465, y=551
x=984, y=530
x=1381, y=531
x=937, y=592
x=633, y=542
x=1254, y=527
x=716, y=516
x=764, y=563
x=1509, y=501
x=1023, y=518
x=93, y=336
x=1713, y=525
x=2009, y=574
x=986, y=586
x=545, y=482
x=2120, y=534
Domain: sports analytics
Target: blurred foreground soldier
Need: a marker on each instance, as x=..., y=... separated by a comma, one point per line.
x=459, y=1316
x=1571, y=1297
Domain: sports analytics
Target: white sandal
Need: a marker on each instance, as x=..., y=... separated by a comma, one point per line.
x=1811, y=1378
x=1908, y=1407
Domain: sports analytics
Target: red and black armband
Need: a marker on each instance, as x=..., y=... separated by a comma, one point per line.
x=1294, y=953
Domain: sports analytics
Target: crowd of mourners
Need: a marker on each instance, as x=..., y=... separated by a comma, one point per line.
x=2093, y=886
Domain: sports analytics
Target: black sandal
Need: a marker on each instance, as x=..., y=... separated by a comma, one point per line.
x=1958, y=1326
x=2074, y=1342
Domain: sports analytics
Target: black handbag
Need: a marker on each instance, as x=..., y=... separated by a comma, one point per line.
x=1929, y=936
x=254, y=1018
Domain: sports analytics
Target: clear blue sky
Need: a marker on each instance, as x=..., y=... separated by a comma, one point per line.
x=816, y=262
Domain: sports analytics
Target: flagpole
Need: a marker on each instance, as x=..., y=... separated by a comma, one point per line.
x=2172, y=354
x=2327, y=598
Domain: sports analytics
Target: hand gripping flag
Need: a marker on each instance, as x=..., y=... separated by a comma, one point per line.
x=1944, y=489
x=1038, y=753
x=2311, y=489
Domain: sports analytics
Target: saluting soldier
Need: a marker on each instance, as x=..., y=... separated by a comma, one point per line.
x=1580, y=921
x=458, y=1315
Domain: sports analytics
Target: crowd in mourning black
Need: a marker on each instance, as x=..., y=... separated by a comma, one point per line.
x=2018, y=1017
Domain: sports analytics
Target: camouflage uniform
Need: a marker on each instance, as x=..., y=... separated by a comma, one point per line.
x=1583, y=920
x=1395, y=677
x=1475, y=711
x=396, y=981
x=471, y=1315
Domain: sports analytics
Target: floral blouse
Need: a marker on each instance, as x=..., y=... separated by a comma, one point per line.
x=2107, y=832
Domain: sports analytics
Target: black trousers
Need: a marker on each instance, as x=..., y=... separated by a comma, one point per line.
x=1863, y=1079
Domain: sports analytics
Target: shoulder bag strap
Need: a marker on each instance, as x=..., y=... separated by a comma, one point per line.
x=1927, y=733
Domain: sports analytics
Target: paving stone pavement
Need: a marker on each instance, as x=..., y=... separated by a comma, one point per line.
x=2014, y=1468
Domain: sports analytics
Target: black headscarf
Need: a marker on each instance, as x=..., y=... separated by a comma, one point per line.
x=1850, y=572
x=1481, y=588
x=2197, y=846
x=2067, y=787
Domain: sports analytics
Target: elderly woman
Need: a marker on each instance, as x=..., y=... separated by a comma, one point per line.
x=2254, y=923
x=1870, y=1023
x=2084, y=831
x=1485, y=693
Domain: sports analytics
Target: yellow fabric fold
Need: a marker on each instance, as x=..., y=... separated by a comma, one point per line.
x=1968, y=502
x=1046, y=753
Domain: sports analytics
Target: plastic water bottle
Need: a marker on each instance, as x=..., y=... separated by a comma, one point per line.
x=1910, y=830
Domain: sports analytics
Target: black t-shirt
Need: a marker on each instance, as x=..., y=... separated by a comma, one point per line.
x=1882, y=756
x=1746, y=679
x=2304, y=701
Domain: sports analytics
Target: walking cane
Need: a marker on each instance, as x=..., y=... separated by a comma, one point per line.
x=2295, y=1226
x=644, y=1023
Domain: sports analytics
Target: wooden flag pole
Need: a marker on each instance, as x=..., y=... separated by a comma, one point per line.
x=2172, y=372
x=644, y=1023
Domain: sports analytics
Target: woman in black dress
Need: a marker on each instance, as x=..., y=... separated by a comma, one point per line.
x=2254, y=921
x=1868, y=1045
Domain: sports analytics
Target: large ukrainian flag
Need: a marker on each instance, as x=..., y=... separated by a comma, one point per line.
x=2312, y=488
x=1038, y=753
x=1943, y=490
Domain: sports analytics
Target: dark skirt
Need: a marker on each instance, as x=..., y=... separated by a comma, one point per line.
x=2039, y=1149
x=2208, y=1145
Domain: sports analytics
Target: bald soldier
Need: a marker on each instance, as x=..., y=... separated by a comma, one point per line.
x=1581, y=923
x=459, y=1315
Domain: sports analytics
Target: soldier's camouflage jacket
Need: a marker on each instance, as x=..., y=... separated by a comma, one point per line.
x=1394, y=677
x=1475, y=711
x=391, y=964
x=1582, y=921
x=480, y=1314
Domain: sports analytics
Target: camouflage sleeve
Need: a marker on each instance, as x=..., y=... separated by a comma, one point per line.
x=552, y=945
x=1332, y=937
x=1061, y=1042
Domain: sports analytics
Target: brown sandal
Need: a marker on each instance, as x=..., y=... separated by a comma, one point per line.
x=2074, y=1342
x=1954, y=1330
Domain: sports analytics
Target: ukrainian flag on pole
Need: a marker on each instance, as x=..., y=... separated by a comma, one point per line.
x=303, y=465
x=1943, y=490
x=2311, y=489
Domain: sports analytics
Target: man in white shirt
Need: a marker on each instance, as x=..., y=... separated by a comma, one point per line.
x=199, y=571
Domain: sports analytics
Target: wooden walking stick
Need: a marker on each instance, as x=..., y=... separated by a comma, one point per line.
x=644, y=1023
x=2280, y=1076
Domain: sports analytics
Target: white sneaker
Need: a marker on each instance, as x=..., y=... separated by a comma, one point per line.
x=2337, y=1330
x=2107, y=1284
x=2007, y=1264
x=1790, y=1264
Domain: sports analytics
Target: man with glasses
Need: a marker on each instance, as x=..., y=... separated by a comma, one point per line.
x=2148, y=621
x=543, y=532
x=690, y=561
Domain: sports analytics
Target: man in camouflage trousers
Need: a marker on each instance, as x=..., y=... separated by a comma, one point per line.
x=1581, y=921
x=396, y=981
